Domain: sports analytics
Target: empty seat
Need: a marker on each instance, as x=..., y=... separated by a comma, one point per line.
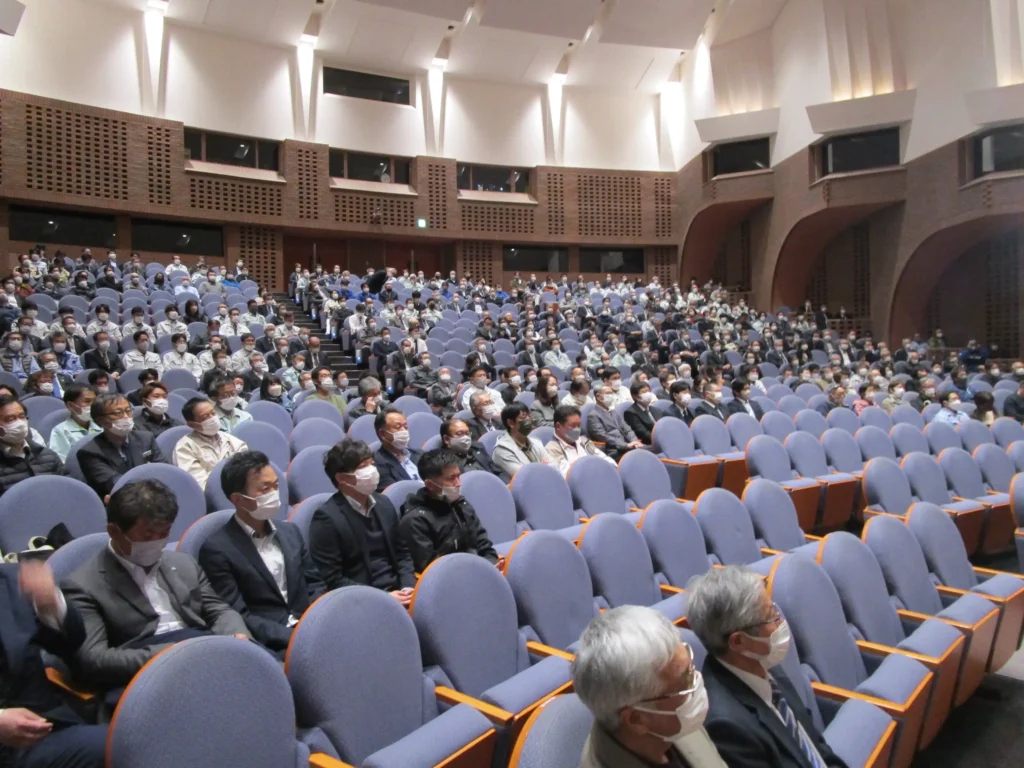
x=1015, y=452
x=767, y=457
x=265, y=438
x=873, y=416
x=941, y=436
x=928, y=483
x=997, y=469
x=742, y=427
x=773, y=517
x=690, y=472
x=645, y=478
x=964, y=478
x=318, y=408
x=315, y=431
x=1007, y=431
x=842, y=452
x=675, y=542
x=596, y=487
x=777, y=425
x=906, y=438
x=907, y=414
x=875, y=443
x=791, y=405
x=811, y=422
x=555, y=735
x=271, y=413
x=843, y=418
x=728, y=532
x=838, y=490
x=495, y=507
x=543, y=500
x=712, y=438
x=398, y=492
x=423, y=425
x=306, y=475
x=973, y=433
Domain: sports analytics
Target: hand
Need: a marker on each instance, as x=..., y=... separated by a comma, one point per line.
x=404, y=596
x=241, y=636
x=21, y=728
x=636, y=444
x=36, y=582
x=500, y=565
x=116, y=375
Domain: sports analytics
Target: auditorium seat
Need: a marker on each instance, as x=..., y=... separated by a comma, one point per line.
x=767, y=458
x=690, y=472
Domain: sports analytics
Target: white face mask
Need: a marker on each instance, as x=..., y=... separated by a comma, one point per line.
x=690, y=713
x=400, y=439
x=778, y=647
x=180, y=348
x=461, y=444
x=15, y=432
x=267, y=505
x=492, y=411
x=210, y=427
x=715, y=397
x=647, y=398
x=122, y=427
x=366, y=480
x=228, y=403
x=158, y=406
x=274, y=390
x=146, y=554
x=46, y=388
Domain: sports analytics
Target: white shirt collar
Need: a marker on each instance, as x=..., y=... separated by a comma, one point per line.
x=759, y=685
x=137, y=572
x=365, y=512
x=251, y=532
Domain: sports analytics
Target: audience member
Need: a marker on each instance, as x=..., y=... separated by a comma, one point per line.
x=456, y=437
x=542, y=410
x=1013, y=406
x=78, y=400
x=640, y=416
x=515, y=448
x=371, y=398
x=394, y=460
x=154, y=416
x=207, y=444
x=141, y=356
x=228, y=404
x=984, y=408
x=326, y=389
x=272, y=391
x=119, y=448
x=486, y=414
x=680, y=395
x=711, y=405
x=949, y=413
x=569, y=443
x=441, y=393
x=101, y=358
x=895, y=397
x=146, y=376
x=23, y=453
x=742, y=401
x=607, y=426
x=180, y=357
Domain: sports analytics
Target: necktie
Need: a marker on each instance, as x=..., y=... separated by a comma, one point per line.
x=793, y=726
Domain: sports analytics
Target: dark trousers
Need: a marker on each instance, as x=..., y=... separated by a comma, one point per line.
x=78, y=746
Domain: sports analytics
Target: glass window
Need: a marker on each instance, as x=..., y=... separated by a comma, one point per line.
x=1001, y=149
x=861, y=151
x=177, y=237
x=336, y=160
x=362, y=85
x=230, y=150
x=520, y=180
x=268, y=154
x=535, y=259
x=369, y=167
x=402, y=171
x=463, y=176
x=194, y=144
x=741, y=156
x=487, y=178
x=628, y=260
x=41, y=225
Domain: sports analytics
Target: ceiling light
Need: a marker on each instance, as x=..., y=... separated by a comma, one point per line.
x=439, y=63
x=308, y=39
x=444, y=51
x=158, y=5
x=558, y=78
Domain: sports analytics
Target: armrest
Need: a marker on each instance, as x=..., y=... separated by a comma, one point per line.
x=320, y=760
x=636, y=509
x=767, y=552
x=887, y=650
x=991, y=572
x=55, y=677
x=496, y=715
x=668, y=589
x=685, y=501
x=539, y=649
x=914, y=616
x=811, y=537
x=841, y=694
x=950, y=591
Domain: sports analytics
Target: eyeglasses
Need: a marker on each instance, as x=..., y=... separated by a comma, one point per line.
x=690, y=684
x=776, y=616
x=121, y=413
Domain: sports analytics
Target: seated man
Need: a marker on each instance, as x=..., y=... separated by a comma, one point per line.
x=569, y=443
x=486, y=411
x=79, y=424
x=180, y=357
x=606, y=425
x=394, y=460
x=743, y=401
x=648, y=700
x=154, y=416
x=326, y=389
x=437, y=520
x=206, y=445
x=422, y=377
x=147, y=376
x=227, y=403
x=478, y=386
x=370, y=400
x=895, y=397
x=515, y=448
x=1013, y=406
x=120, y=447
x=456, y=437
x=260, y=568
x=836, y=399
x=755, y=715
x=354, y=535
x=640, y=416
x=142, y=356
x=949, y=414
x=38, y=729
x=16, y=356
x=712, y=405
x=101, y=357
x=135, y=597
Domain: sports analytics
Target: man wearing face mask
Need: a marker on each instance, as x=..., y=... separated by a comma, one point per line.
x=896, y=390
x=259, y=565
x=180, y=357
x=20, y=455
x=681, y=395
x=712, y=403
x=200, y=450
x=639, y=679
x=107, y=456
x=228, y=404
x=569, y=444
x=79, y=424
x=354, y=534
x=135, y=598
x=529, y=355
x=394, y=460
x=640, y=416
x=101, y=357
x=456, y=437
x=142, y=356
x=437, y=520
x=172, y=324
x=755, y=715
x=515, y=448
x=15, y=358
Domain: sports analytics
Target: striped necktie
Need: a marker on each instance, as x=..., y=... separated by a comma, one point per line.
x=794, y=728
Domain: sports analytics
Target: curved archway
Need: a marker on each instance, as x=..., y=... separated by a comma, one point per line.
x=709, y=228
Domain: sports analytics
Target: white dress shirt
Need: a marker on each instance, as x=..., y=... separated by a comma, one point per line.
x=270, y=553
x=167, y=618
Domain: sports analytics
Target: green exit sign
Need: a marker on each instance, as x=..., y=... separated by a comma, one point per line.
x=421, y=223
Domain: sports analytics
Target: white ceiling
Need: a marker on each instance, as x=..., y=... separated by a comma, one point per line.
x=633, y=46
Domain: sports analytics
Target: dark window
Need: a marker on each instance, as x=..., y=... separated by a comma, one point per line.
x=41, y=225
x=861, y=151
x=233, y=150
x=492, y=178
x=361, y=85
x=741, y=156
x=336, y=163
x=175, y=237
x=621, y=261
x=535, y=259
x=368, y=167
x=1001, y=149
x=401, y=174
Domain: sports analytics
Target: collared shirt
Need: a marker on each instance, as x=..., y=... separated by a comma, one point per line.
x=269, y=550
x=951, y=417
x=233, y=329
x=405, y=459
x=186, y=361
x=136, y=359
x=168, y=619
x=170, y=327
x=363, y=510
x=67, y=433
x=228, y=421
x=198, y=454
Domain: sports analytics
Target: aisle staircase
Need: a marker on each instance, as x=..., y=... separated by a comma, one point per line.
x=333, y=354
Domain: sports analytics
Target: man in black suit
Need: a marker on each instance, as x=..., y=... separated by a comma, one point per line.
x=529, y=356
x=640, y=416
x=755, y=717
x=37, y=728
x=742, y=401
x=101, y=358
x=260, y=566
x=712, y=405
x=680, y=394
x=354, y=535
x=486, y=415
x=394, y=460
x=456, y=436
x=382, y=349
x=107, y=456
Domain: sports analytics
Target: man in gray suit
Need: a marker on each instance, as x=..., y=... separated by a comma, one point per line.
x=134, y=598
x=605, y=425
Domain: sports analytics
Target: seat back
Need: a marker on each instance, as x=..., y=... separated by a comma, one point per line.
x=381, y=672
x=859, y=581
x=542, y=498
x=315, y=431
x=595, y=488
x=811, y=422
x=711, y=435
x=319, y=408
x=300, y=515
x=927, y=480
x=398, y=492
x=465, y=616
x=941, y=436
x=807, y=391
x=673, y=438
x=942, y=546
x=216, y=690
x=493, y=503
x=874, y=443
x=778, y=391
x=742, y=427
x=1006, y=431
x=555, y=734
x=266, y=438
x=903, y=565
x=271, y=413
x=906, y=438
x=725, y=523
x=843, y=418
x=196, y=534
x=306, y=475
x=777, y=424
x=997, y=469
x=791, y=405
x=644, y=477
x=619, y=562
x=409, y=404
x=811, y=605
x=886, y=486
x=423, y=425
x=766, y=457
x=806, y=454
x=772, y=515
x=873, y=416
x=675, y=542
x=68, y=558
x=973, y=433
x=1015, y=452
x=841, y=450
x=34, y=505
x=552, y=588
x=907, y=414
x=963, y=475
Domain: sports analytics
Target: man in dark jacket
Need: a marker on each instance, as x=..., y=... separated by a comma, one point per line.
x=107, y=456
x=20, y=458
x=640, y=416
x=712, y=405
x=437, y=520
x=742, y=402
x=1014, y=405
x=457, y=437
x=394, y=460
